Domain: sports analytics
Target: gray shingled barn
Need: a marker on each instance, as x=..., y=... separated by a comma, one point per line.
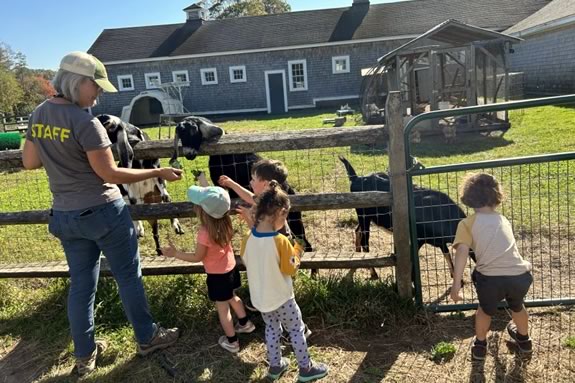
x=274, y=63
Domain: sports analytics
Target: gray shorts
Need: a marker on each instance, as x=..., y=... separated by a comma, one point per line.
x=493, y=289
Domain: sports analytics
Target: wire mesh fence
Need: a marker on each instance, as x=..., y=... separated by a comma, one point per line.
x=540, y=204
x=310, y=171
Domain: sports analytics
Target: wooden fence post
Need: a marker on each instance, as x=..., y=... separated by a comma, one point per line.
x=397, y=167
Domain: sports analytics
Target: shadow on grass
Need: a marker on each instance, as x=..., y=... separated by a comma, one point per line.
x=465, y=144
x=364, y=317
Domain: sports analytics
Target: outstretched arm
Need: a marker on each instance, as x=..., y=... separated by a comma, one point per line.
x=243, y=193
x=171, y=252
x=103, y=164
x=461, y=255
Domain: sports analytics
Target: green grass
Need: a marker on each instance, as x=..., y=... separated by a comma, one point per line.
x=33, y=313
x=570, y=342
x=442, y=352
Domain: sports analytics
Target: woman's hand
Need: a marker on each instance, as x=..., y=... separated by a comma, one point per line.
x=171, y=174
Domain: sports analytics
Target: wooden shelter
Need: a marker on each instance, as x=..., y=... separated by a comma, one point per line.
x=452, y=65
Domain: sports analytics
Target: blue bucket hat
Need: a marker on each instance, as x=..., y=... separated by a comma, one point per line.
x=214, y=200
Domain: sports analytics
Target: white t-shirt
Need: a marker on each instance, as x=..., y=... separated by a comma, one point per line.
x=270, y=261
x=490, y=235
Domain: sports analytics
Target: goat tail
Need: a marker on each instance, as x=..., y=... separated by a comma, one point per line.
x=350, y=170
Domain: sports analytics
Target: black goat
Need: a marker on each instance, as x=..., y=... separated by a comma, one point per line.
x=192, y=131
x=125, y=136
x=437, y=215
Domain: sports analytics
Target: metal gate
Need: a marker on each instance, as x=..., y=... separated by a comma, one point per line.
x=539, y=203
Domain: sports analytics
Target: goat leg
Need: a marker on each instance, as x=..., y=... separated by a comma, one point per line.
x=156, y=235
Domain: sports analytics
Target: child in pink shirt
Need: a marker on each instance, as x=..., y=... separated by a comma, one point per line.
x=214, y=250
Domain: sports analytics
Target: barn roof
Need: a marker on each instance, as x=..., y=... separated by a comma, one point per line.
x=359, y=22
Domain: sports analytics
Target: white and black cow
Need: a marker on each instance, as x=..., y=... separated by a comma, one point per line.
x=125, y=136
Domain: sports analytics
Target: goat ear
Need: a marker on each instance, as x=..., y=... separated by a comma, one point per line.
x=176, y=142
x=125, y=150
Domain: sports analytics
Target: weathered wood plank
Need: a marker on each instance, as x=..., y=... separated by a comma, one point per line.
x=301, y=202
x=170, y=266
x=246, y=143
x=398, y=175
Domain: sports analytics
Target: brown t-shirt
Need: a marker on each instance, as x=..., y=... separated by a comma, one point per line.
x=63, y=133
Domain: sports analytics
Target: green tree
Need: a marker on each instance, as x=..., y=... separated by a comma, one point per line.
x=11, y=93
x=225, y=9
x=21, y=88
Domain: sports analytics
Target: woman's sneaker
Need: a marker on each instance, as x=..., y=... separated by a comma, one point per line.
x=478, y=350
x=88, y=364
x=234, y=348
x=315, y=371
x=162, y=338
x=248, y=328
x=524, y=345
x=275, y=372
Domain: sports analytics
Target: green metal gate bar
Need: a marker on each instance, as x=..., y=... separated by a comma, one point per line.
x=414, y=170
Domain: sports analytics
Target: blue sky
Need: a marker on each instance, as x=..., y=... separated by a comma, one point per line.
x=44, y=31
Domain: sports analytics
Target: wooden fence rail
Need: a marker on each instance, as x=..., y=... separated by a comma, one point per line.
x=302, y=202
x=245, y=143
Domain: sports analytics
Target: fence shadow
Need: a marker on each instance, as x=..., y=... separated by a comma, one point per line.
x=465, y=144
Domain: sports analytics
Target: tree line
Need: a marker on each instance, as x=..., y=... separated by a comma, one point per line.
x=21, y=88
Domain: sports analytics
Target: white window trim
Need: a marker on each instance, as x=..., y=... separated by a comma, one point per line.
x=153, y=74
x=206, y=70
x=177, y=72
x=124, y=76
x=239, y=67
x=290, y=75
x=334, y=67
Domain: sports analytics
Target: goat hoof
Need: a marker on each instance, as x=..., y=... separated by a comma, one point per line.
x=179, y=230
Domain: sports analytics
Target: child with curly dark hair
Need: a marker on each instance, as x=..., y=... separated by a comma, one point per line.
x=271, y=261
x=500, y=272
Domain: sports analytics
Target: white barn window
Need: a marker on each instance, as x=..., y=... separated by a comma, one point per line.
x=125, y=82
x=297, y=75
x=238, y=73
x=209, y=76
x=180, y=76
x=340, y=64
x=153, y=80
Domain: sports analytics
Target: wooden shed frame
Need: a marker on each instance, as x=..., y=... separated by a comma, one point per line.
x=452, y=65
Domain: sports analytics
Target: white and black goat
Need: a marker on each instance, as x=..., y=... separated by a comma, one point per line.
x=436, y=215
x=192, y=131
x=125, y=136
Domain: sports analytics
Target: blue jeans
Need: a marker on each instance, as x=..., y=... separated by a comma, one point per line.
x=84, y=234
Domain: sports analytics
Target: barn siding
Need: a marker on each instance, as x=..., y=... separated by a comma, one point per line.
x=547, y=61
x=322, y=83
